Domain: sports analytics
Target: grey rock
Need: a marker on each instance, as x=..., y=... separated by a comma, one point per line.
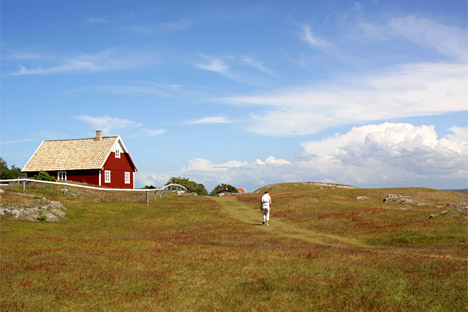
x=58, y=212
x=362, y=198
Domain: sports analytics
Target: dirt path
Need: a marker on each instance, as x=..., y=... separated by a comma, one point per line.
x=242, y=212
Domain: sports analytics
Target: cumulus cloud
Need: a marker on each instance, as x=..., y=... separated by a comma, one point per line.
x=270, y=160
x=383, y=155
x=410, y=90
x=388, y=148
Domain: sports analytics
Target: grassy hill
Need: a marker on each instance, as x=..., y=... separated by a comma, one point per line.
x=326, y=250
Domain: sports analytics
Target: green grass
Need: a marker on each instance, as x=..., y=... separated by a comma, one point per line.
x=324, y=251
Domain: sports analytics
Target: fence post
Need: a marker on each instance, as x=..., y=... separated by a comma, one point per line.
x=24, y=185
x=102, y=195
x=147, y=197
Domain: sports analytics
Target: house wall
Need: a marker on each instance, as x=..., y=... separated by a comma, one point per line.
x=117, y=167
x=85, y=176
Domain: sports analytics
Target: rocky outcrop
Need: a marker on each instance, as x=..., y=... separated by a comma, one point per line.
x=40, y=210
x=402, y=199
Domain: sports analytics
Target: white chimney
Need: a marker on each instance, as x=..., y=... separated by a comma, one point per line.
x=98, y=135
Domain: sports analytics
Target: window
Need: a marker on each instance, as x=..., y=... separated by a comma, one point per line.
x=117, y=153
x=62, y=175
x=107, y=176
x=127, y=177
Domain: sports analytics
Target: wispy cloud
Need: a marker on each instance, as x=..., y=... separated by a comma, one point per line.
x=151, y=88
x=313, y=40
x=237, y=68
x=16, y=141
x=85, y=63
x=213, y=64
x=212, y=120
x=21, y=55
x=167, y=27
x=257, y=64
x=448, y=40
x=148, y=133
x=108, y=124
x=411, y=90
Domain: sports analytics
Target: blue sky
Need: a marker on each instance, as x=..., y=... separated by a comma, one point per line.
x=368, y=93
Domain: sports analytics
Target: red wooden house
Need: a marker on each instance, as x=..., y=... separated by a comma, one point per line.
x=102, y=161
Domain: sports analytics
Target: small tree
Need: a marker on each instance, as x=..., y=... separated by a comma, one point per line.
x=191, y=186
x=222, y=187
x=44, y=176
x=6, y=173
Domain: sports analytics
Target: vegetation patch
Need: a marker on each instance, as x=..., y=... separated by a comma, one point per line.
x=324, y=251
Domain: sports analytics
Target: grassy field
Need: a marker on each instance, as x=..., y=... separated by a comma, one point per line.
x=324, y=251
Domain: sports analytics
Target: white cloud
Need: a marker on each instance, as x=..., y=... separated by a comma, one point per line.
x=86, y=63
x=151, y=88
x=212, y=120
x=107, y=124
x=149, y=132
x=110, y=124
x=15, y=55
x=200, y=164
x=449, y=40
x=313, y=40
x=270, y=160
x=411, y=90
x=213, y=64
x=256, y=64
x=384, y=155
x=389, y=148
x=460, y=134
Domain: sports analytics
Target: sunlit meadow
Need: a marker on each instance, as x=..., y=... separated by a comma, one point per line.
x=324, y=251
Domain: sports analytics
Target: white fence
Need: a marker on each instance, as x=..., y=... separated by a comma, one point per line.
x=103, y=189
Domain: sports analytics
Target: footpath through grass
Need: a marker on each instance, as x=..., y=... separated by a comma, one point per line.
x=205, y=254
x=246, y=214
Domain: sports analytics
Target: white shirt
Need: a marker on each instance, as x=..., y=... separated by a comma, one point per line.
x=266, y=199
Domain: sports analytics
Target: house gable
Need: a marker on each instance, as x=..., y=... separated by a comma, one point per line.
x=85, y=160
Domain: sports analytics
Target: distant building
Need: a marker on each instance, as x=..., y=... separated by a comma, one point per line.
x=224, y=192
x=102, y=161
x=241, y=190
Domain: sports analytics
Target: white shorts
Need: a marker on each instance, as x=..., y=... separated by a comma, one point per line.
x=266, y=212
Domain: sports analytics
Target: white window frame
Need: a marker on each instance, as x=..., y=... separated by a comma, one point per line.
x=107, y=176
x=62, y=176
x=117, y=153
x=127, y=178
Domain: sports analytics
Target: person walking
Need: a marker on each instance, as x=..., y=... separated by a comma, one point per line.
x=265, y=206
